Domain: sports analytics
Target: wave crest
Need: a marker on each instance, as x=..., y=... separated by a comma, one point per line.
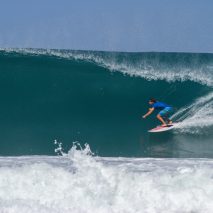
x=151, y=66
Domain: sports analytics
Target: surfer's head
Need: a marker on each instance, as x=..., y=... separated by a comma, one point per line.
x=152, y=101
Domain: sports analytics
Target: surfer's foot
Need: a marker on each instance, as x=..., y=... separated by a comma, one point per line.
x=164, y=125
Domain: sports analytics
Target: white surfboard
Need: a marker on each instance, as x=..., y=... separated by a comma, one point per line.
x=164, y=128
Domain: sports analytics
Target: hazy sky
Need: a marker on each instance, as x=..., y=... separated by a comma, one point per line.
x=118, y=25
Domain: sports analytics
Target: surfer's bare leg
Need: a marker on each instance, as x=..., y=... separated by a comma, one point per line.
x=161, y=120
x=168, y=120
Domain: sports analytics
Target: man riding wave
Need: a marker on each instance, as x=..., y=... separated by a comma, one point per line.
x=165, y=111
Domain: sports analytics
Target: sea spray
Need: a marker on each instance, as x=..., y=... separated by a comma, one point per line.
x=59, y=148
x=196, y=117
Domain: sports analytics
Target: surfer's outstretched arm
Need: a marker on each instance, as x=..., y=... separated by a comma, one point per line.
x=149, y=112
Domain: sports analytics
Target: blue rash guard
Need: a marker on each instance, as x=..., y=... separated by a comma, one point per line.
x=165, y=109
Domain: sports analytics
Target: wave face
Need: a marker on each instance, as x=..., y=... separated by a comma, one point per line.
x=78, y=182
x=98, y=98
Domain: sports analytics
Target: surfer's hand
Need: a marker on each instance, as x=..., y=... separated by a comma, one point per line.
x=144, y=116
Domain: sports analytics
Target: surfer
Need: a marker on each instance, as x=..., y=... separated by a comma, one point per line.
x=165, y=110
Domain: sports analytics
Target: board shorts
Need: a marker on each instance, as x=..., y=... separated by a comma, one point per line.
x=166, y=111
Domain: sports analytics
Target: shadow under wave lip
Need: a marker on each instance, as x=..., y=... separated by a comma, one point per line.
x=171, y=67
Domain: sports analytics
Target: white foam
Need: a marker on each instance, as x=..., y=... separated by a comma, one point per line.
x=141, y=68
x=197, y=116
x=79, y=182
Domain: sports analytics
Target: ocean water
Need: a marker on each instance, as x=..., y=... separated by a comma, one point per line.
x=78, y=182
x=73, y=139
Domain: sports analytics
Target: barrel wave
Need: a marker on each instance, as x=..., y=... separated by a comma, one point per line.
x=86, y=107
x=99, y=97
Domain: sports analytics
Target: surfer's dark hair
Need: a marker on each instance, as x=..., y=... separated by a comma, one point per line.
x=153, y=100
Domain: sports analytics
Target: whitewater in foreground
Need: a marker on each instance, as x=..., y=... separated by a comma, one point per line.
x=79, y=182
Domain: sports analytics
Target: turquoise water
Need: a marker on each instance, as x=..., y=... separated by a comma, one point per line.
x=98, y=98
x=52, y=99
